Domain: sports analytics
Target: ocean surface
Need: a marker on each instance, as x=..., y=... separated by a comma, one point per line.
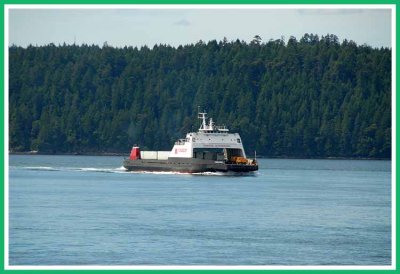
x=87, y=210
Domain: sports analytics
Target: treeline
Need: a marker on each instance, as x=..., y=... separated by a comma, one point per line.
x=313, y=97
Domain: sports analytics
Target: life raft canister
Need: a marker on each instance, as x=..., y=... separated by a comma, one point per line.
x=135, y=153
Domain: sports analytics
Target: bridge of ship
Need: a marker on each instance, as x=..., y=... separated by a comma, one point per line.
x=211, y=142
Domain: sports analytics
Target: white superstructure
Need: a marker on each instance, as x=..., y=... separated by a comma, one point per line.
x=208, y=137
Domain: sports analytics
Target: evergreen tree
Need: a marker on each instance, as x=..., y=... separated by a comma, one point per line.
x=313, y=97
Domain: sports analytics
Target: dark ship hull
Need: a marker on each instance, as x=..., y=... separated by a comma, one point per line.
x=185, y=165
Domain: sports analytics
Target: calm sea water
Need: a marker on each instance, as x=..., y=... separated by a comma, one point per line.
x=83, y=210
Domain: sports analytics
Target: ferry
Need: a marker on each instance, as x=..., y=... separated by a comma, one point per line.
x=211, y=149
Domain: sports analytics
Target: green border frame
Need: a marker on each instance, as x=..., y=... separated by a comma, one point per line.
x=243, y=2
x=292, y=2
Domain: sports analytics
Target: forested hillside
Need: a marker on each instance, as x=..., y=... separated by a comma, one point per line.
x=313, y=97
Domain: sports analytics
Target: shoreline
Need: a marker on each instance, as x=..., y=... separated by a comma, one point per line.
x=127, y=155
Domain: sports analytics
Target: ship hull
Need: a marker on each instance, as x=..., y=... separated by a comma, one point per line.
x=186, y=165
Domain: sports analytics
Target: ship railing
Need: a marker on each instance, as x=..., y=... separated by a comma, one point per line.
x=221, y=128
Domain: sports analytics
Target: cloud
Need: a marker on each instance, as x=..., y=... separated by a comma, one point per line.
x=329, y=11
x=183, y=23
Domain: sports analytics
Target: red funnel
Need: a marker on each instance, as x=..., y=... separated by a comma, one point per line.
x=135, y=153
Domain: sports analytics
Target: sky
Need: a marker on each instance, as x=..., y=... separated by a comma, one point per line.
x=133, y=26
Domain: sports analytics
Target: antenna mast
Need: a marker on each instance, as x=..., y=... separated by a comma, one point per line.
x=202, y=116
